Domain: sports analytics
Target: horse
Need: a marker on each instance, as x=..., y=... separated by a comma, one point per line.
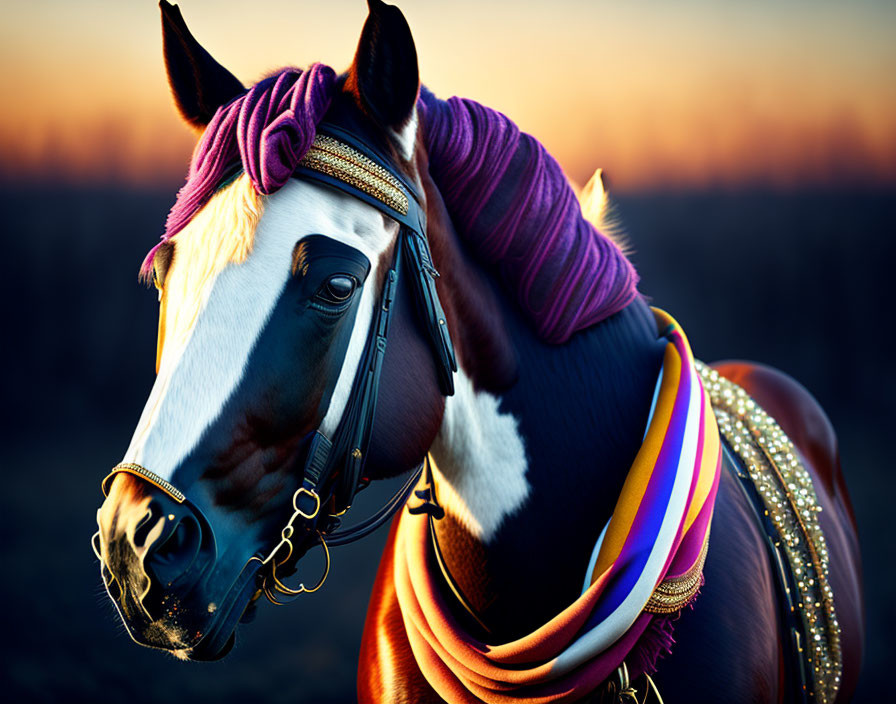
x=344, y=299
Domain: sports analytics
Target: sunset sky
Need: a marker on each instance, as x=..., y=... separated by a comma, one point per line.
x=660, y=94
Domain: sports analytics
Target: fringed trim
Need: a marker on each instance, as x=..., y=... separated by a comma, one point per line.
x=656, y=642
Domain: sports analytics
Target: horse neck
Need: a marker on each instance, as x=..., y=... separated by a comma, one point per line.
x=534, y=445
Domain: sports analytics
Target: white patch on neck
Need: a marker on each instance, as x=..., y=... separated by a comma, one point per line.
x=406, y=137
x=195, y=381
x=480, y=460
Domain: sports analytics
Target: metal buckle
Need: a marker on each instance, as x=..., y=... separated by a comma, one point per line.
x=300, y=512
x=286, y=539
x=281, y=588
x=289, y=529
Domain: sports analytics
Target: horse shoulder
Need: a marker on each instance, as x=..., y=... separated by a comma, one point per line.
x=387, y=670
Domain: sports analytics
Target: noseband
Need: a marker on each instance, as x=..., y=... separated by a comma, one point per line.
x=333, y=471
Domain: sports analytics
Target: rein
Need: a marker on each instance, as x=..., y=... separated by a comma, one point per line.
x=333, y=470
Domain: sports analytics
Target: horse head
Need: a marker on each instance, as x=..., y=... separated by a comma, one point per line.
x=273, y=295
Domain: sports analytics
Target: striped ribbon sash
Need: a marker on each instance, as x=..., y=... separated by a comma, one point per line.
x=647, y=564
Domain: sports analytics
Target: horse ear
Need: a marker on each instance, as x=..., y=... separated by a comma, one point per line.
x=200, y=84
x=384, y=74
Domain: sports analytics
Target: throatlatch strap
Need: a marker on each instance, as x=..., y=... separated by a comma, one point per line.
x=430, y=308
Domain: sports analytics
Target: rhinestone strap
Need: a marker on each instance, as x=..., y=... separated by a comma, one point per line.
x=141, y=471
x=786, y=488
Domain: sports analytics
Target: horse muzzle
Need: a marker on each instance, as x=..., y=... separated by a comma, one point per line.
x=161, y=568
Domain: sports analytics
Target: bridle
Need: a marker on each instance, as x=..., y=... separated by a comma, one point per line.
x=333, y=470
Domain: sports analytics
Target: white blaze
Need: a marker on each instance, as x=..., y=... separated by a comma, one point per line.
x=196, y=379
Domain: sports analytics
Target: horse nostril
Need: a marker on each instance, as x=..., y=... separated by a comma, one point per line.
x=172, y=558
x=141, y=532
x=148, y=521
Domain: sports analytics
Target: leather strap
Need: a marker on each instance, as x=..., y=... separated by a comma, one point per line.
x=369, y=525
x=785, y=582
x=333, y=472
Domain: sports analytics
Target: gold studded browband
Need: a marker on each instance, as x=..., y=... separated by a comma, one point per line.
x=340, y=161
x=143, y=473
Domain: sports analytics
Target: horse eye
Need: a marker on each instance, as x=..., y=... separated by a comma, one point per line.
x=338, y=288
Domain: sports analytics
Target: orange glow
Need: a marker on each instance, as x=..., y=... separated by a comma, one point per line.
x=658, y=94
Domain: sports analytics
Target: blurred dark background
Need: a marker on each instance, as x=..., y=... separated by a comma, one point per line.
x=798, y=280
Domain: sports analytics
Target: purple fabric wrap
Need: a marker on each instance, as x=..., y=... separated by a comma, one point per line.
x=269, y=128
x=507, y=196
x=511, y=202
